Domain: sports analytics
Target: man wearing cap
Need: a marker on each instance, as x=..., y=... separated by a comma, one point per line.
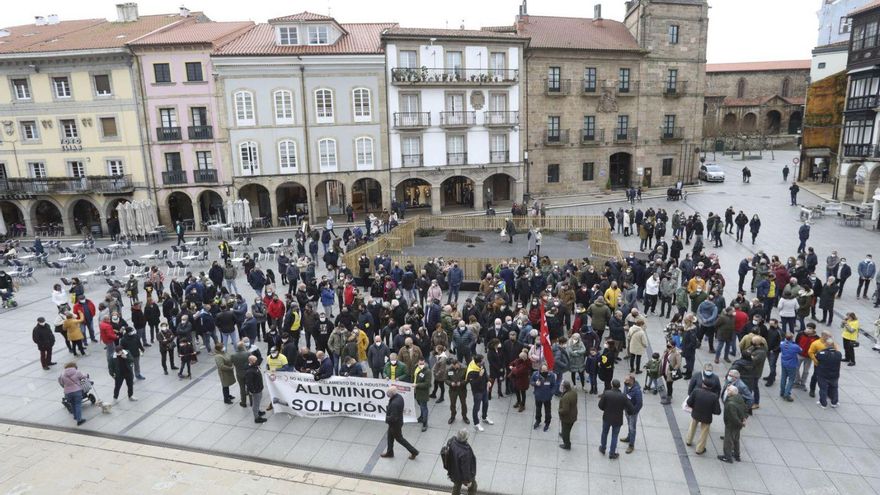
x=121, y=371
x=704, y=404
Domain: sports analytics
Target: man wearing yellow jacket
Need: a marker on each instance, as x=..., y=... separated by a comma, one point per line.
x=849, y=330
x=816, y=346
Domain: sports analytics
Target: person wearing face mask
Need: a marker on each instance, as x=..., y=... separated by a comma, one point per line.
x=166, y=346
x=477, y=376
x=844, y=274
x=496, y=367
x=410, y=354
x=577, y=353
x=463, y=340
x=395, y=370
x=866, y=270
x=422, y=385
x=670, y=369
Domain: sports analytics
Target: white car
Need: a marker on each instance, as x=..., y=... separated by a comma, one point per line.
x=710, y=172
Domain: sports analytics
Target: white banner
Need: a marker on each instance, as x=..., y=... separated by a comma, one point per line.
x=300, y=395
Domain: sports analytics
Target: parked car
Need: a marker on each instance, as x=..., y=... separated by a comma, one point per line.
x=711, y=172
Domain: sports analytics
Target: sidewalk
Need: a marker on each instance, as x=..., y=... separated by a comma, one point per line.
x=93, y=464
x=824, y=191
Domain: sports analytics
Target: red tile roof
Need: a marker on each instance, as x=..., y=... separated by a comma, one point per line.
x=199, y=33
x=759, y=66
x=576, y=33
x=450, y=33
x=90, y=34
x=360, y=39
x=861, y=10
x=303, y=16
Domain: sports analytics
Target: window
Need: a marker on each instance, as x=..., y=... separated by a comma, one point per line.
x=249, y=158
x=821, y=65
x=845, y=25
x=244, y=108
x=455, y=150
x=114, y=168
x=288, y=35
x=61, y=86
x=22, y=89
x=589, y=128
x=622, y=126
x=364, y=151
x=69, y=129
x=204, y=160
x=741, y=88
x=324, y=106
x=553, y=133
x=498, y=65
x=786, y=87
x=871, y=34
x=172, y=162
x=108, y=127
x=194, y=72
x=587, y=170
x=102, y=85
x=454, y=64
x=363, y=111
x=498, y=103
x=162, y=73
x=287, y=155
x=590, y=80
x=76, y=169
x=671, y=80
x=409, y=59
x=858, y=131
x=673, y=34
x=318, y=35
x=168, y=117
x=37, y=170
x=29, y=131
x=553, y=173
x=858, y=37
x=666, y=169
x=554, y=79
x=283, y=107
x=498, y=150
x=623, y=81
x=412, y=151
x=669, y=126
x=327, y=153
x=199, y=116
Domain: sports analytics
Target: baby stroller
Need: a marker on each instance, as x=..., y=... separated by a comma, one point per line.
x=88, y=396
x=673, y=194
x=8, y=298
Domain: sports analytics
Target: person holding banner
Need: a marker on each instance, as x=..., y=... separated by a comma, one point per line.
x=422, y=382
x=394, y=420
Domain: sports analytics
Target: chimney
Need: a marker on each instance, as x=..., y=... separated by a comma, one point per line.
x=40, y=20
x=52, y=19
x=524, y=8
x=597, y=12
x=628, y=6
x=126, y=12
x=184, y=12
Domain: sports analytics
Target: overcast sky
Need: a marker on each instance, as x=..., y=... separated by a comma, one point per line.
x=739, y=30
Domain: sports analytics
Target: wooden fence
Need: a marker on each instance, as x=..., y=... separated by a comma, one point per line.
x=602, y=245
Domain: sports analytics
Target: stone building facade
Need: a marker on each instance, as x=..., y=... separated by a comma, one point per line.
x=611, y=104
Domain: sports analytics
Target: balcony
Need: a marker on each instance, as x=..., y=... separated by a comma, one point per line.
x=412, y=120
x=205, y=176
x=117, y=184
x=557, y=87
x=592, y=136
x=412, y=160
x=496, y=118
x=556, y=138
x=671, y=133
x=630, y=89
x=625, y=134
x=856, y=103
x=499, y=156
x=174, y=177
x=861, y=151
x=197, y=132
x=456, y=158
x=168, y=134
x=592, y=87
x=673, y=89
x=439, y=76
x=458, y=119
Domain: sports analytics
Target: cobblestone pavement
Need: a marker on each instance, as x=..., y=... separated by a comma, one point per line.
x=789, y=448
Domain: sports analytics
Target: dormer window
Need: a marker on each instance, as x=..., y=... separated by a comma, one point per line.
x=319, y=35
x=288, y=35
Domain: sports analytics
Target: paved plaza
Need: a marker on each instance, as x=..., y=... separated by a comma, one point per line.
x=553, y=244
x=788, y=448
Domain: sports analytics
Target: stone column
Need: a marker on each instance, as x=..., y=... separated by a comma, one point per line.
x=518, y=191
x=105, y=230
x=435, y=199
x=197, y=216
x=870, y=183
x=26, y=214
x=273, y=207
x=479, y=202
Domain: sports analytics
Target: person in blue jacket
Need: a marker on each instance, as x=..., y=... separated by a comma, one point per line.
x=788, y=357
x=633, y=391
x=328, y=296
x=455, y=278
x=544, y=384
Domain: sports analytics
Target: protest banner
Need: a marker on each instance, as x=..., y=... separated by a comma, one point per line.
x=365, y=398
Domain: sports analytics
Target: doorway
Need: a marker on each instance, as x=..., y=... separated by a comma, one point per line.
x=646, y=179
x=619, y=170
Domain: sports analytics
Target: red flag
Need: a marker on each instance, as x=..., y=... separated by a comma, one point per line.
x=545, y=340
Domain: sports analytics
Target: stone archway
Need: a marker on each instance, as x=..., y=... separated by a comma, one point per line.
x=620, y=170
x=180, y=208
x=457, y=190
x=366, y=195
x=258, y=198
x=46, y=217
x=749, y=122
x=112, y=215
x=415, y=193
x=291, y=198
x=13, y=218
x=774, y=122
x=498, y=187
x=795, y=121
x=329, y=198
x=728, y=125
x=85, y=216
x=211, y=207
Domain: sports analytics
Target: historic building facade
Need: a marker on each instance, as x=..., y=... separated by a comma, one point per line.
x=454, y=99
x=187, y=145
x=72, y=145
x=304, y=101
x=611, y=104
x=748, y=103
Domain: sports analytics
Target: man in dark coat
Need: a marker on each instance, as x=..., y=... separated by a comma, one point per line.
x=45, y=340
x=568, y=413
x=253, y=380
x=704, y=404
x=394, y=420
x=614, y=404
x=461, y=463
x=735, y=414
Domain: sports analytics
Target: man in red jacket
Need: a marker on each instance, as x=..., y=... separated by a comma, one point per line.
x=275, y=311
x=804, y=340
x=85, y=309
x=108, y=337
